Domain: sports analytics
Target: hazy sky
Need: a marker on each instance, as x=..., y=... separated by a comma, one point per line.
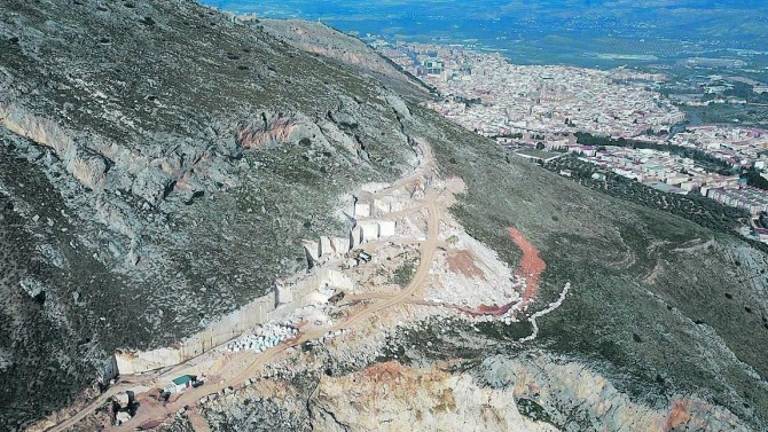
x=489, y=8
x=724, y=24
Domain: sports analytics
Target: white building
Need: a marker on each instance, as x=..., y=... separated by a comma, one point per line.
x=179, y=384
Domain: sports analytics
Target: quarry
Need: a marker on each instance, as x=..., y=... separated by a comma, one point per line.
x=339, y=299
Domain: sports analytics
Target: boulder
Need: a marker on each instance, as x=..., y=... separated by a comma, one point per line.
x=399, y=106
x=33, y=288
x=121, y=399
x=152, y=184
x=122, y=417
x=87, y=167
x=343, y=119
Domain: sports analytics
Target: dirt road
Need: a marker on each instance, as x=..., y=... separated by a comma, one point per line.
x=87, y=410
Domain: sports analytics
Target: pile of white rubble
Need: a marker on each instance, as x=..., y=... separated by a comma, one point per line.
x=263, y=338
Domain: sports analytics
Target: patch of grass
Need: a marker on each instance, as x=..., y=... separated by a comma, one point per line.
x=404, y=273
x=533, y=410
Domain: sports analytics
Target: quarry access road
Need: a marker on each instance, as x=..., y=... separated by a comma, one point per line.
x=88, y=409
x=432, y=205
x=151, y=378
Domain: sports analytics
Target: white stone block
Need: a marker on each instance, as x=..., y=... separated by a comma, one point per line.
x=382, y=207
x=337, y=280
x=362, y=210
x=374, y=187
x=386, y=229
x=369, y=230
x=325, y=247
x=355, y=237
x=312, y=250
x=283, y=294
x=340, y=245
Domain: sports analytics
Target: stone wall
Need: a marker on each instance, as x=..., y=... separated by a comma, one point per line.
x=233, y=325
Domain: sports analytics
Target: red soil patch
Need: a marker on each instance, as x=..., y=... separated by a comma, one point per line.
x=384, y=371
x=484, y=310
x=530, y=268
x=678, y=415
x=257, y=135
x=531, y=265
x=463, y=262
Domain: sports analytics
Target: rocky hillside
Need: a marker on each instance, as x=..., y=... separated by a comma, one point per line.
x=160, y=164
x=318, y=38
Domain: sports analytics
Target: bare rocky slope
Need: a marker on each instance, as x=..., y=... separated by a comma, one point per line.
x=160, y=164
x=318, y=38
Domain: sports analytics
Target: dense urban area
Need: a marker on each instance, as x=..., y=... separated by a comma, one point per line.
x=617, y=120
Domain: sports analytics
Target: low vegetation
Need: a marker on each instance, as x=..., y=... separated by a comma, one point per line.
x=404, y=273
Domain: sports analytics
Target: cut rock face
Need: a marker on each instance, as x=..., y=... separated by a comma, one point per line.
x=150, y=187
x=202, y=189
x=276, y=128
x=88, y=168
x=42, y=131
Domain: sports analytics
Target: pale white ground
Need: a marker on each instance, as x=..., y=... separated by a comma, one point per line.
x=486, y=280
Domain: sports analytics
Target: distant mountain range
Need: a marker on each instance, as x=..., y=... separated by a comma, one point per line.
x=602, y=34
x=738, y=24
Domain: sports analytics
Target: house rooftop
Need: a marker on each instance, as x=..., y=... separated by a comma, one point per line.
x=183, y=380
